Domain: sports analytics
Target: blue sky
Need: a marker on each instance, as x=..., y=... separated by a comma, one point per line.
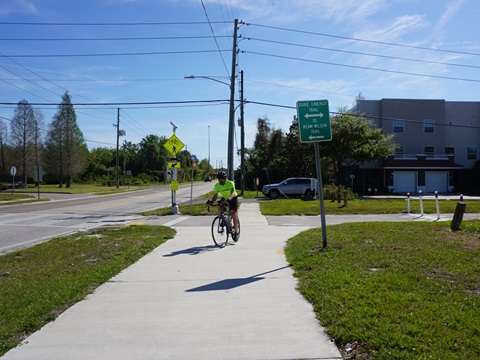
x=288, y=50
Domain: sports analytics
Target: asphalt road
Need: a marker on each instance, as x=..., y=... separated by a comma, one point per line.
x=24, y=225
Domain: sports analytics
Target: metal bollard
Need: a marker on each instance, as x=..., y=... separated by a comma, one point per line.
x=421, y=202
x=437, y=205
x=345, y=197
x=408, y=203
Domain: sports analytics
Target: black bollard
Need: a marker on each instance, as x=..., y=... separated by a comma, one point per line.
x=458, y=216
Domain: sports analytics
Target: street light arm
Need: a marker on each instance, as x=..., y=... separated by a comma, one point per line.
x=207, y=77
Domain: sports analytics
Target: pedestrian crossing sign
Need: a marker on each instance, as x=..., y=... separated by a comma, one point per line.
x=173, y=145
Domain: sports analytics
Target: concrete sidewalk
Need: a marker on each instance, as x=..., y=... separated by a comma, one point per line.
x=190, y=300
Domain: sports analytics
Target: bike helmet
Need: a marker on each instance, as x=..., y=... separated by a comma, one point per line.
x=222, y=174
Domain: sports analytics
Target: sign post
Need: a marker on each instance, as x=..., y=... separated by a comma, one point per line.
x=13, y=171
x=314, y=126
x=38, y=178
x=173, y=146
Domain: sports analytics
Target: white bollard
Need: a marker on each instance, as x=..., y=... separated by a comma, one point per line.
x=408, y=203
x=420, y=193
x=437, y=205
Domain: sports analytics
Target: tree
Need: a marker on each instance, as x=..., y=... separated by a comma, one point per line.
x=3, y=149
x=265, y=160
x=299, y=157
x=355, y=140
x=23, y=129
x=65, y=146
x=99, y=160
x=37, y=138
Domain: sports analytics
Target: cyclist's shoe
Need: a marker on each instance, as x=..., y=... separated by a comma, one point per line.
x=234, y=235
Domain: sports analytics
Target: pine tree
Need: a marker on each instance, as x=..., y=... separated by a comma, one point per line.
x=65, y=145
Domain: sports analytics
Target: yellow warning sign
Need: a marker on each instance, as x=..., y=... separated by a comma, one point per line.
x=174, y=185
x=173, y=145
x=174, y=164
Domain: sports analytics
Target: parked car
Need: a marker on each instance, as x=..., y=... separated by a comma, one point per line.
x=300, y=186
x=207, y=178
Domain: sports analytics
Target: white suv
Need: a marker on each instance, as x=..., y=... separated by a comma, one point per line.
x=292, y=186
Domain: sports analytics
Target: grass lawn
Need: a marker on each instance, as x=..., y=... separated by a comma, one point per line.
x=358, y=206
x=402, y=290
x=311, y=208
x=38, y=283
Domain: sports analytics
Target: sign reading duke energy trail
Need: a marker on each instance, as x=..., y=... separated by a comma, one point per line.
x=314, y=121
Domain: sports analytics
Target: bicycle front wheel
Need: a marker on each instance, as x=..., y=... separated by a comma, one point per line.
x=219, y=231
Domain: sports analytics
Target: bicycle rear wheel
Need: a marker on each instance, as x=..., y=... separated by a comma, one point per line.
x=219, y=231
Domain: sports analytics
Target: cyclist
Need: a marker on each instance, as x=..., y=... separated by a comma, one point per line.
x=226, y=189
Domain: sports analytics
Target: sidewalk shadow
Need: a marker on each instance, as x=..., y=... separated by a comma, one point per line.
x=229, y=284
x=192, y=251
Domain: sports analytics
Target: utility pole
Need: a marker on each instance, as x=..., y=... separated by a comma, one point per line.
x=242, y=136
x=119, y=133
x=118, y=136
x=231, y=119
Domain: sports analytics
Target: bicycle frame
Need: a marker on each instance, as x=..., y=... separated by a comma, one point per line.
x=222, y=226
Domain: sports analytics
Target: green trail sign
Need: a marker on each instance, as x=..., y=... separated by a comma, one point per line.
x=314, y=121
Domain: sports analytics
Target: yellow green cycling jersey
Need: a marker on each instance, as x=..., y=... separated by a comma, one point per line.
x=226, y=189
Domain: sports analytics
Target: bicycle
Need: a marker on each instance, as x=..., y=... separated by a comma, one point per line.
x=222, y=226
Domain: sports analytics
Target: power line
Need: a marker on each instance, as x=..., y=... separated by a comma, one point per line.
x=361, y=67
x=117, y=38
x=109, y=24
x=365, y=40
x=364, y=54
x=129, y=103
x=113, y=54
x=214, y=36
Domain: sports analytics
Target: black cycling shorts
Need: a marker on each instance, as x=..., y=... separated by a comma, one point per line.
x=233, y=203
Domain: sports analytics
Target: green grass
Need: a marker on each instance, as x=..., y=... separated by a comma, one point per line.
x=38, y=283
x=393, y=206
x=404, y=290
x=9, y=199
x=4, y=196
x=311, y=208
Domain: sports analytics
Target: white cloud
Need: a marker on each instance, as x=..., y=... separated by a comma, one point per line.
x=287, y=11
x=447, y=16
x=17, y=6
x=394, y=29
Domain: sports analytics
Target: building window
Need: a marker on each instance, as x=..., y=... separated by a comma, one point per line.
x=429, y=150
x=471, y=153
x=449, y=150
x=429, y=126
x=398, y=126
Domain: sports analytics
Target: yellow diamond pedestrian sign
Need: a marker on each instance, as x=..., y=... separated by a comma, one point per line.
x=173, y=145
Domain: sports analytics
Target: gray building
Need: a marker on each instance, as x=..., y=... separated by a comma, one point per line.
x=438, y=143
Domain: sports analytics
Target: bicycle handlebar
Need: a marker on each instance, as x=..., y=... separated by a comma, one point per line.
x=221, y=202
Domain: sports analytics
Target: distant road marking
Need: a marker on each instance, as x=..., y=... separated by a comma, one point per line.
x=133, y=223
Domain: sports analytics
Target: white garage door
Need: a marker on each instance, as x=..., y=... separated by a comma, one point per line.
x=405, y=182
x=436, y=181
